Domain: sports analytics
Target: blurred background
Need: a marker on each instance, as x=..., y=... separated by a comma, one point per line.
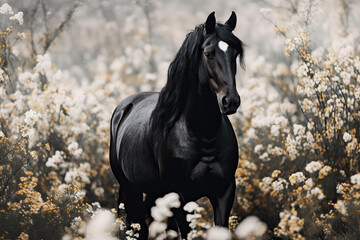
x=66, y=64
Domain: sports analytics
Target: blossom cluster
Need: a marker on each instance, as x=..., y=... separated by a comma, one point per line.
x=300, y=150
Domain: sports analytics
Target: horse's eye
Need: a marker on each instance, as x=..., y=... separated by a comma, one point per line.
x=209, y=55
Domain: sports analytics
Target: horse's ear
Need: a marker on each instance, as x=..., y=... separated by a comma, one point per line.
x=210, y=23
x=231, y=22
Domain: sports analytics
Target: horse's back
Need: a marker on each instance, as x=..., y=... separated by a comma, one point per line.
x=137, y=103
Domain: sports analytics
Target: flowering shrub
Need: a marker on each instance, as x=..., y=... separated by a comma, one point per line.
x=298, y=126
x=299, y=151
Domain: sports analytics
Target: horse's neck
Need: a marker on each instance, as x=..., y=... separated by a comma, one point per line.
x=202, y=114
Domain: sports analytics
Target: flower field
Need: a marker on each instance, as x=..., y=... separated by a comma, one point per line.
x=65, y=65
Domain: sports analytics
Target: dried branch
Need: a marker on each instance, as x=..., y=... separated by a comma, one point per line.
x=32, y=18
x=50, y=37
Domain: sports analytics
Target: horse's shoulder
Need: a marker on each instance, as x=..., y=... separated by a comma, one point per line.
x=126, y=106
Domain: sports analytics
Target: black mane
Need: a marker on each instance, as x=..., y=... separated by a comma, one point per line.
x=182, y=70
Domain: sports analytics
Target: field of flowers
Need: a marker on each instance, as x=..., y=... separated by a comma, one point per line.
x=64, y=66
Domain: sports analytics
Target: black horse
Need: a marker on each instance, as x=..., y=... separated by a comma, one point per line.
x=180, y=140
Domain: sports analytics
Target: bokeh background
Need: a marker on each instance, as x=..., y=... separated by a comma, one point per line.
x=66, y=64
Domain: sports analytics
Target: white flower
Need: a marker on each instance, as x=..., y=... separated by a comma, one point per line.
x=162, y=210
x=18, y=17
x=317, y=77
x=318, y=53
x=191, y=207
x=347, y=137
x=275, y=130
x=322, y=87
x=309, y=140
x=291, y=147
x=340, y=206
x=136, y=226
x=355, y=179
x=278, y=185
x=31, y=117
x=345, y=52
x=156, y=228
x=265, y=184
x=313, y=166
x=250, y=227
x=346, y=77
x=325, y=171
x=218, y=233
x=75, y=222
x=6, y=9
x=281, y=121
x=80, y=195
x=27, y=132
x=299, y=130
x=335, y=79
x=357, y=93
x=298, y=40
x=2, y=89
x=258, y=148
x=55, y=160
x=302, y=71
x=275, y=173
x=15, y=51
x=73, y=146
x=310, y=183
x=265, y=157
x=251, y=133
x=70, y=175
x=337, y=69
x=61, y=190
x=101, y=226
x=275, y=151
x=317, y=192
x=340, y=188
x=21, y=36
x=80, y=174
x=297, y=178
x=121, y=206
x=74, y=149
x=99, y=191
x=191, y=217
x=291, y=46
x=96, y=205
x=43, y=63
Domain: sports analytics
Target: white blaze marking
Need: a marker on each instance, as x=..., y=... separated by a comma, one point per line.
x=223, y=46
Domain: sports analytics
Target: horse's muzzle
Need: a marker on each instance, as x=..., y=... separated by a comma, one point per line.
x=229, y=104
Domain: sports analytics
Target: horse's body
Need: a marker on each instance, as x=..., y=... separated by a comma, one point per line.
x=181, y=139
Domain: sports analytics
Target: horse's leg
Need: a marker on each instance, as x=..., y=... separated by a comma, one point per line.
x=119, y=200
x=180, y=216
x=222, y=202
x=172, y=224
x=148, y=204
x=134, y=207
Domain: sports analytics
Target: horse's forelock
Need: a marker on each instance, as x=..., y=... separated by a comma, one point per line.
x=225, y=34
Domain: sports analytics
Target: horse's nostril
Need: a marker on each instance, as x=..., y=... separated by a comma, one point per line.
x=225, y=102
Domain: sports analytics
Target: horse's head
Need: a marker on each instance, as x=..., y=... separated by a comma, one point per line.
x=220, y=50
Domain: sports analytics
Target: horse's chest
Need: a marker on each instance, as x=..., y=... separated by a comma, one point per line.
x=190, y=159
x=196, y=162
